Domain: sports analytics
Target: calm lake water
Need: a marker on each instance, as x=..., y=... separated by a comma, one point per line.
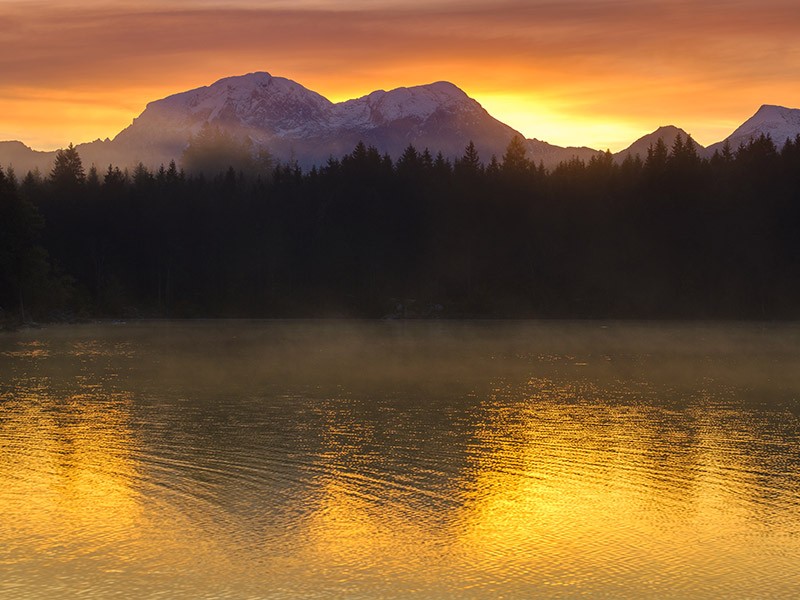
x=400, y=460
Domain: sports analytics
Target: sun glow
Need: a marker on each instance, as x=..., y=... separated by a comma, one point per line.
x=47, y=119
x=546, y=122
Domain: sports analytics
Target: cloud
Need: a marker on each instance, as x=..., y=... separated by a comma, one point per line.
x=616, y=59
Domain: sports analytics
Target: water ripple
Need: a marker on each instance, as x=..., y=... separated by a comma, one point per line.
x=363, y=460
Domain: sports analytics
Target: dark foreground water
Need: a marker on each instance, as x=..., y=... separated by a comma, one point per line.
x=400, y=460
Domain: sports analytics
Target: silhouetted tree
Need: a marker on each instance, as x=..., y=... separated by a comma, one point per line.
x=67, y=174
x=674, y=235
x=514, y=161
x=23, y=262
x=470, y=163
x=655, y=164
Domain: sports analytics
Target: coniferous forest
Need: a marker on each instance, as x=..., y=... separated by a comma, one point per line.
x=237, y=235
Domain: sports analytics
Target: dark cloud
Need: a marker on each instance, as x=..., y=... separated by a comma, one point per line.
x=614, y=31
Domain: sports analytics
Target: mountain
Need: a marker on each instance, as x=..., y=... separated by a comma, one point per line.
x=293, y=122
x=23, y=158
x=778, y=122
x=257, y=105
x=668, y=133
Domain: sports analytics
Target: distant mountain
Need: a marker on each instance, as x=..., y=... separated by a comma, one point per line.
x=778, y=122
x=668, y=133
x=296, y=123
x=23, y=158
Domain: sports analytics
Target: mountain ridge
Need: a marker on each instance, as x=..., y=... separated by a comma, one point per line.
x=295, y=123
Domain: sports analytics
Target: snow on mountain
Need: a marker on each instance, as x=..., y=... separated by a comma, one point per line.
x=437, y=116
x=778, y=122
x=257, y=104
x=261, y=101
x=292, y=121
x=416, y=103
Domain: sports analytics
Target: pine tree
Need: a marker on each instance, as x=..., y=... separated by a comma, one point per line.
x=442, y=166
x=470, y=163
x=67, y=174
x=493, y=168
x=22, y=260
x=514, y=160
x=656, y=160
x=142, y=177
x=92, y=179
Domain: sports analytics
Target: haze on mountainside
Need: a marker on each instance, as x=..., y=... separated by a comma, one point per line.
x=293, y=123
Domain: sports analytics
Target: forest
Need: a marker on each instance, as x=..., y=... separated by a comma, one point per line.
x=235, y=234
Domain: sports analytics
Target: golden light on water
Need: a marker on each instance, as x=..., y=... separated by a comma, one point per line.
x=449, y=470
x=342, y=524
x=75, y=481
x=584, y=487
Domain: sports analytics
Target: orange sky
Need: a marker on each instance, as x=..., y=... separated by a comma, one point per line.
x=572, y=72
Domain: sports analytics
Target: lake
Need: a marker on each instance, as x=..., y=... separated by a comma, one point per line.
x=350, y=459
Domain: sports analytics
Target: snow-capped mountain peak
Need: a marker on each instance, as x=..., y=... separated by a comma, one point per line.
x=416, y=103
x=289, y=120
x=778, y=122
x=771, y=111
x=256, y=101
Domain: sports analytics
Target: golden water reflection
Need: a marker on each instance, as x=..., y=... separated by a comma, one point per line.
x=515, y=466
x=74, y=468
x=576, y=494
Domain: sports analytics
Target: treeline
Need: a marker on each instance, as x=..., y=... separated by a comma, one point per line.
x=673, y=235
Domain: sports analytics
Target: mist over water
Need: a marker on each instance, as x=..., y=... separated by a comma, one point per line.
x=321, y=459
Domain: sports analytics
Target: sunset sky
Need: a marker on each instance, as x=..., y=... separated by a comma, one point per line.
x=572, y=72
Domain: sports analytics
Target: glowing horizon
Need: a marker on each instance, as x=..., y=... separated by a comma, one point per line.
x=575, y=73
